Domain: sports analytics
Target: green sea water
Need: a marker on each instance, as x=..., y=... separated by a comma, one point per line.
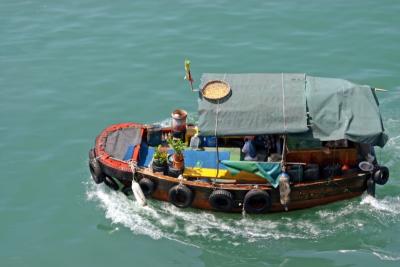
x=70, y=68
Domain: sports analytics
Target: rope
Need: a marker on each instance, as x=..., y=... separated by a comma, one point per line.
x=215, y=133
x=283, y=106
x=283, y=161
x=133, y=166
x=216, y=138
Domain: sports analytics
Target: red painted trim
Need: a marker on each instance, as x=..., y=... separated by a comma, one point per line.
x=135, y=155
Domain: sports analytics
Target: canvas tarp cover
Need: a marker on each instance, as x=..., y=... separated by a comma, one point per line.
x=278, y=103
x=339, y=109
x=118, y=142
x=259, y=104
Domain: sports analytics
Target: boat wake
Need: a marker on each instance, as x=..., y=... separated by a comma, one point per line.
x=163, y=220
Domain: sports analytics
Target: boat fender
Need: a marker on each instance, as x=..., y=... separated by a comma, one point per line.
x=174, y=172
x=95, y=169
x=180, y=195
x=284, y=189
x=371, y=187
x=147, y=186
x=156, y=168
x=138, y=193
x=111, y=183
x=257, y=201
x=221, y=200
x=381, y=175
x=127, y=190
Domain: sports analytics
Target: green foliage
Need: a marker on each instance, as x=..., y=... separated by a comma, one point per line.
x=160, y=155
x=177, y=145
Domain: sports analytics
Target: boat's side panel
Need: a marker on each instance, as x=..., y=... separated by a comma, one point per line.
x=302, y=196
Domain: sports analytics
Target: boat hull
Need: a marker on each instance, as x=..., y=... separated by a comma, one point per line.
x=303, y=195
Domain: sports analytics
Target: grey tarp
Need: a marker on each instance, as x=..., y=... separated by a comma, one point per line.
x=119, y=141
x=259, y=104
x=339, y=109
x=278, y=103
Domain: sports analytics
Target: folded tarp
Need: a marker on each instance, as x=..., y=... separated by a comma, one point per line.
x=268, y=170
x=339, y=109
x=119, y=141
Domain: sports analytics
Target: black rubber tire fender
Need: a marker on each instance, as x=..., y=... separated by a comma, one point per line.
x=111, y=183
x=173, y=172
x=381, y=175
x=371, y=187
x=97, y=173
x=180, y=195
x=127, y=190
x=157, y=168
x=221, y=200
x=257, y=201
x=147, y=186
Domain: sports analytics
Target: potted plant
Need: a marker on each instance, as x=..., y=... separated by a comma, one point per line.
x=177, y=158
x=160, y=159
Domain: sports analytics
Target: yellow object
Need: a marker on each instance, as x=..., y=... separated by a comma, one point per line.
x=223, y=174
x=190, y=132
x=188, y=75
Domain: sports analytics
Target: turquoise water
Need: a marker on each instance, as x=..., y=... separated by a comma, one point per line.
x=70, y=68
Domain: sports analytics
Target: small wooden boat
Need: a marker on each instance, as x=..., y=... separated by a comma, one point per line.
x=264, y=143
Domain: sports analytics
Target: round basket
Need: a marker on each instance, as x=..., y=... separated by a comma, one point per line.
x=216, y=90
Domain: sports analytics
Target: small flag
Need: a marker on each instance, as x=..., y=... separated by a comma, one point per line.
x=188, y=75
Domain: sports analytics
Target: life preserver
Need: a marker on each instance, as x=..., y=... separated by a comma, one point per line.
x=147, y=186
x=180, y=195
x=381, y=175
x=221, y=200
x=111, y=183
x=95, y=169
x=257, y=201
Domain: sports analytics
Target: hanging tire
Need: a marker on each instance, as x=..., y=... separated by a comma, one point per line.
x=95, y=169
x=257, y=201
x=221, y=200
x=381, y=176
x=111, y=183
x=371, y=187
x=127, y=190
x=180, y=195
x=147, y=186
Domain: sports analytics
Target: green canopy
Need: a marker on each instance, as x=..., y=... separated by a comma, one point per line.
x=259, y=104
x=265, y=103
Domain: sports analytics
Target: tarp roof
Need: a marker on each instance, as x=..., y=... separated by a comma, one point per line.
x=267, y=103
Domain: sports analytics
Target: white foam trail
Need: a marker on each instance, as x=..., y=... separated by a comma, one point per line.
x=386, y=257
x=389, y=205
x=163, y=220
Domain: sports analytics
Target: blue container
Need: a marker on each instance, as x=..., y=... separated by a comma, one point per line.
x=208, y=141
x=154, y=133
